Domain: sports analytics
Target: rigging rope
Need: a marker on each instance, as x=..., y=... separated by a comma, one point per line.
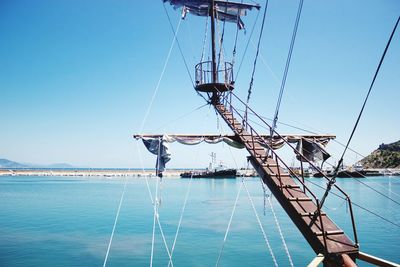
x=180, y=51
x=333, y=180
x=204, y=41
x=311, y=132
x=229, y=224
x=260, y=224
x=115, y=222
x=161, y=76
x=247, y=44
x=165, y=242
x=186, y=198
x=277, y=224
x=286, y=67
x=156, y=203
x=221, y=42
x=358, y=205
x=155, y=207
x=181, y=117
x=255, y=60
x=236, y=37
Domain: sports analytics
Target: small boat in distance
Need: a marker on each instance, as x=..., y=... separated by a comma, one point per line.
x=215, y=171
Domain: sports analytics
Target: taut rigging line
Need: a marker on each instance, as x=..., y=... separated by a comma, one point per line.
x=255, y=61
x=333, y=179
x=278, y=104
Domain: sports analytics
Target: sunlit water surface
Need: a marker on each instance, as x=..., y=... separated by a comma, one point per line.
x=67, y=221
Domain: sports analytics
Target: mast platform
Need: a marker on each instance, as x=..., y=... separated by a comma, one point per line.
x=319, y=230
x=214, y=87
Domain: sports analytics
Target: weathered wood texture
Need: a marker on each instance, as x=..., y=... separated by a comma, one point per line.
x=298, y=205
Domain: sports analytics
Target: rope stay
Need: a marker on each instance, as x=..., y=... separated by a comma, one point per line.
x=358, y=180
x=221, y=42
x=161, y=76
x=333, y=179
x=186, y=198
x=155, y=209
x=260, y=224
x=164, y=240
x=115, y=222
x=255, y=61
x=236, y=38
x=181, y=52
x=247, y=44
x=229, y=225
x=268, y=197
x=358, y=205
x=280, y=232
x=204, y=41
x=287, y=67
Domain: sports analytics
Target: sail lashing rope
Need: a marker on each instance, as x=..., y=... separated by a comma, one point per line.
x=333, y=179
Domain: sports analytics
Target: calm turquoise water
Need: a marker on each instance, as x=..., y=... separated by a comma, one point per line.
x=64, y=221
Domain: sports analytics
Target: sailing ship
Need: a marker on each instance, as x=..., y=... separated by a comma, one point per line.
x=215, y=82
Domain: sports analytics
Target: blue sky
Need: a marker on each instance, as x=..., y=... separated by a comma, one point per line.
x=76, y=78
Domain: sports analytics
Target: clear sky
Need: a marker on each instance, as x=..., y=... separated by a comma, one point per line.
x=76, y=78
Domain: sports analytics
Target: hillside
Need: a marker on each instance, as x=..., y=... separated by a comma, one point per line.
x=386, y=156
x=9, y=164
x=5, y=163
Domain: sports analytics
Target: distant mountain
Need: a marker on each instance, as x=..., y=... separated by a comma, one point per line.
x=386, y=156
x=8, y=164
x=58, y=166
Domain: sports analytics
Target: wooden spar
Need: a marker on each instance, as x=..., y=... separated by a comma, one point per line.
x=214, y=97
x=317, y=260
x=307, y=136
x=375, y=260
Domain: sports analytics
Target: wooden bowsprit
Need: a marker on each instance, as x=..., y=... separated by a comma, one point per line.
x=319, y=230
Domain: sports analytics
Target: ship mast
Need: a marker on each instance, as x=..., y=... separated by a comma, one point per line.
x=214, y=98
x=289, y=188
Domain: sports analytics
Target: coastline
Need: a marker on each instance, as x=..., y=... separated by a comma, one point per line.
x=130, y=172
x=90, y=172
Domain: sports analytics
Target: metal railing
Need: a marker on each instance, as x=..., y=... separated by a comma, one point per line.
x=227, y=102
x=204, y=73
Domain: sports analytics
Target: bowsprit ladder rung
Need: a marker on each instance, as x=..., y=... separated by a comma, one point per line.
x=299, y=199
x=290, y=186
x=269, y=165
x=307, y=214
x=328, y=233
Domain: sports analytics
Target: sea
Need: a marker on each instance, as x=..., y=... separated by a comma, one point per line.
x=68, y=221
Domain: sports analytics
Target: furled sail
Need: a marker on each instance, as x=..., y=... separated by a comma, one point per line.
x=312, y=150
x=311, y=147
x=225, y=10
x=159, y=147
